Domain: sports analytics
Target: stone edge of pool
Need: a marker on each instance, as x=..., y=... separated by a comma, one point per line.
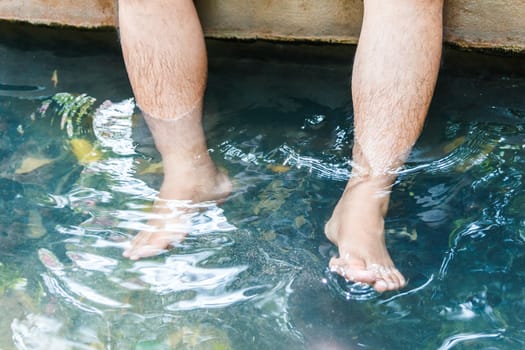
x=489, y=24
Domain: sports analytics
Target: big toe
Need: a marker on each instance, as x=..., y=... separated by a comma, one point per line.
x=355, y=271
x=148, y=244
x=143, y=251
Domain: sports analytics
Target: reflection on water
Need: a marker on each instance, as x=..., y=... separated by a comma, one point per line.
x=252, y=272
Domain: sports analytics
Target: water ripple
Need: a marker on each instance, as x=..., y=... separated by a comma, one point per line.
x=61, y=283
x=38, y=332
x=180, y=216
x=221, y=300
x=349, y=290
x=181, y=273
x=93, y=262
x=112, y=126
x=331, y=171
x=456, y=339
x=467, y=152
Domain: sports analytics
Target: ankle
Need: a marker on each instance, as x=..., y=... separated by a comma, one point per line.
x=369, y=191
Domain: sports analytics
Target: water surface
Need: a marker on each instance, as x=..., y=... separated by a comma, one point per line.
x=252, y=273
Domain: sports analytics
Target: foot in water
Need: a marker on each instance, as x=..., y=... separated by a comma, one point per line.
x=190, y=176
x=357, y=228
x=168, y=226
x=172, y=211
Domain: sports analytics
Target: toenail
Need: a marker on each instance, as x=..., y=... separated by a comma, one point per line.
x=382, y=284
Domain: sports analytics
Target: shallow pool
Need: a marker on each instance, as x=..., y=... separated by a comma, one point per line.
x=253, y=275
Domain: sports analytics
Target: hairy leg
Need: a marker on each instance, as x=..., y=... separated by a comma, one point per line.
x=165, y=56
x=394, y=75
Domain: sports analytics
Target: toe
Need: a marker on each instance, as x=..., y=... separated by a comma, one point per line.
x=389, y=279
x=139, y=240
x=382, y=280
x=401, y=279
x=145, y=251
x=147, y=244
x=380, y=286
x=352, y=271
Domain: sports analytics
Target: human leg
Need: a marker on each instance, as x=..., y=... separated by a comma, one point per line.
x=394, y=75
x=165, y=56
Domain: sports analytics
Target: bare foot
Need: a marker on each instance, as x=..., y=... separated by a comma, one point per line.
x=190, y=176
x=168, y=226
x=357, y=228
x=171, y=222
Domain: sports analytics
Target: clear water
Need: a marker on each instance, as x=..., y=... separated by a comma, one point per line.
x=253, y=273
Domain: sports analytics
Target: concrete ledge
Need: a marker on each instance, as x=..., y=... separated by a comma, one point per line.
x=76, y=13
x=494, y=24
